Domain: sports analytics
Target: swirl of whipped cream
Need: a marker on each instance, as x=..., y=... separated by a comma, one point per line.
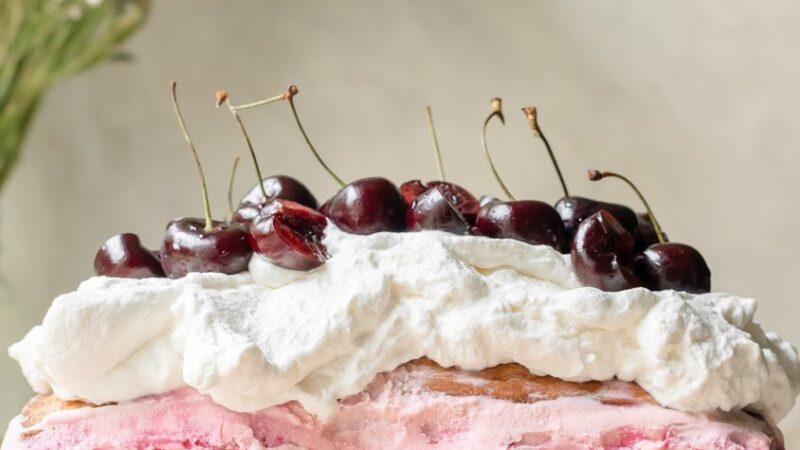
x=273, y=335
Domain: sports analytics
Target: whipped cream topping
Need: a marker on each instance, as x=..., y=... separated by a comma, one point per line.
x=273, y=335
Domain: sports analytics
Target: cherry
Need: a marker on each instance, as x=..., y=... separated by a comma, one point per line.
x=574, y=210
x=433, y=210
x=674, y=266
x=266, y=189
x=367, y=206
x=202, y=245
x=289, y=235
x=276, y=187
x=466, y=203
x=191, y=247
x=602, y=254
x=666, y=265
x=528, y=221
x=645, y=233
x=124, y=256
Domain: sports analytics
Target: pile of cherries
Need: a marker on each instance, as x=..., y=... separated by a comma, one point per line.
x=612, y=247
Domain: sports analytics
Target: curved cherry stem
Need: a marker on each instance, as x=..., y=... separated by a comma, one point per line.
x=530, y=113
x=596, y=175
x=266, y=101
x=290, y=93
x=206, y=206
x=497, y=111
x=436, y=151
x=232, y=177
x=222, y=97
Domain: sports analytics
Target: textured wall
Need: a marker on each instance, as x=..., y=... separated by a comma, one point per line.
x=697, y=101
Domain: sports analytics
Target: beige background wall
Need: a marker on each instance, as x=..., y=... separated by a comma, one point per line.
x=697, y=101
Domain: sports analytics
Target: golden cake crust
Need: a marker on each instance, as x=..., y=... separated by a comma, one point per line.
x=509, y=382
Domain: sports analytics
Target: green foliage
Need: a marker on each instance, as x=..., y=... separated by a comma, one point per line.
x=42, y=41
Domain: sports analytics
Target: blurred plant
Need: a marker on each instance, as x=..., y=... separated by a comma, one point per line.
x=42, y=41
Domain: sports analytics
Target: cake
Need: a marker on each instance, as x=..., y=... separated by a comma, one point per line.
x=403, y=318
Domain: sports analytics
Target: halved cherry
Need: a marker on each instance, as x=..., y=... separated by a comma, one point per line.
x=432, y=210
x=289, y=235
x=603, y=255
x=466, y=203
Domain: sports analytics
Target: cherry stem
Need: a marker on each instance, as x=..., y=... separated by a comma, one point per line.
x=266, y=101
x=231, y=177
x=596, y=175
x=206, y=206
x=436, y=151
x=497, y=111
x=530, y=113
x=222, y=97
x=289, y=95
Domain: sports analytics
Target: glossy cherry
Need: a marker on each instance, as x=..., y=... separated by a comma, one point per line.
x=189, y=247
x=666, y=265
x=124, y=256
x=574, y=210
x=367, y=206
x=276, y=187
x=433, y=210
x=528, y=221
x=602, y=253
x=466, y=203
x=289, y=235
x=202, y=245
x=674, y=266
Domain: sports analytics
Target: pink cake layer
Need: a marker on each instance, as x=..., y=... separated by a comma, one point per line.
x=417, y=406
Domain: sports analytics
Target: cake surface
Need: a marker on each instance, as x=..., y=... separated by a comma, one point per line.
x=419, y=405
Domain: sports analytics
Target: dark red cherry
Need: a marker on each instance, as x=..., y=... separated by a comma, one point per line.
x=528, y=221
x=674, y=266
x=367, y=206
x=124, y=256
x=645, y=233
x=278, y=186
x=602, y=253
x=574, y=210
x=466, y=203
x=188, y=247
x=432, y=210
x=290, y=235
